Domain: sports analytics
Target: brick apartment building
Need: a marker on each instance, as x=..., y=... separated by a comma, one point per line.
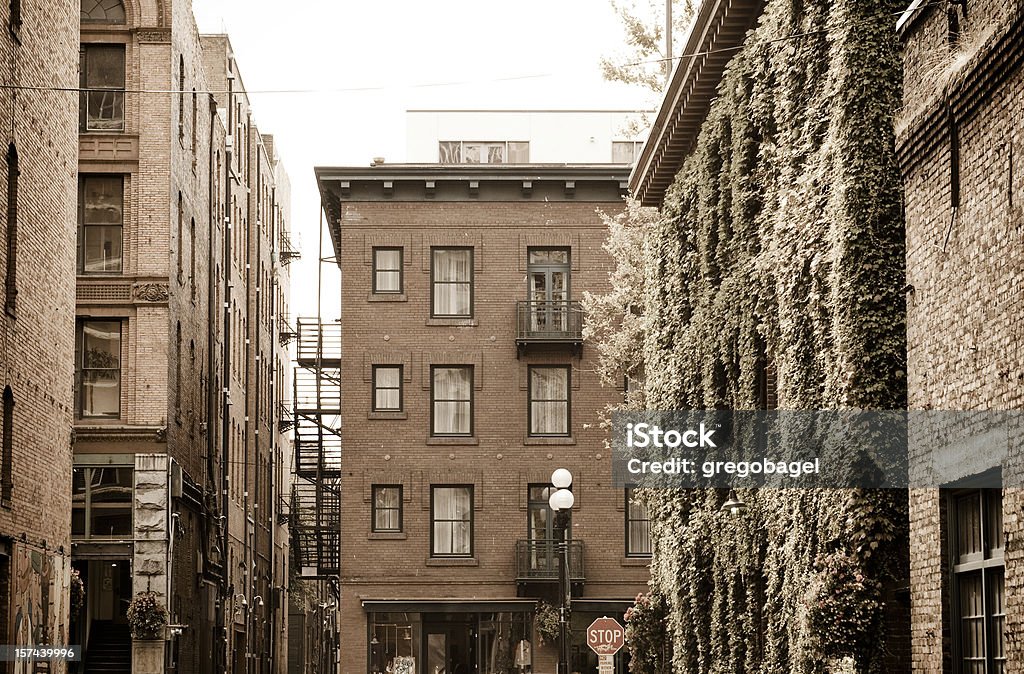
x=37, y=48
x=467, y=385
x=179, y=362
x=959, y=141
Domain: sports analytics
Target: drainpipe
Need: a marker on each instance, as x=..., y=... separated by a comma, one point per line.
x=213, y=396
x=226, y=376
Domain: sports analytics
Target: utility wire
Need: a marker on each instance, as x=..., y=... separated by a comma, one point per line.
x=454, y=83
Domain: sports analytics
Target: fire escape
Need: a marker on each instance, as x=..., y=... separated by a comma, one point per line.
x=316, y=484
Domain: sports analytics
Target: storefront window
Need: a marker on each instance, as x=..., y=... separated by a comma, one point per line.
x=394, y=642
x=455, y=642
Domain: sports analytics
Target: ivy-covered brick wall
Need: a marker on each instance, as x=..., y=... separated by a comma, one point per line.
x=782, y=243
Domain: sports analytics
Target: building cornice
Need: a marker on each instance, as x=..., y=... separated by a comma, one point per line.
x=715, y=35
x=466, y=183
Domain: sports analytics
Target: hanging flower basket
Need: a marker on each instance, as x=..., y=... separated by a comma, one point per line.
x=547, y=623
x=147, y=617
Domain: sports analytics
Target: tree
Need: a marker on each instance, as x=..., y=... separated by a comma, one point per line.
x=644, y=61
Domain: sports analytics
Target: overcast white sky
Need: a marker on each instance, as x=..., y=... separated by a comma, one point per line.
x=392, y=48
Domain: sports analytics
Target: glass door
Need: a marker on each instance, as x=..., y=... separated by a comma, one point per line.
x=450, y=647
x=548, y=273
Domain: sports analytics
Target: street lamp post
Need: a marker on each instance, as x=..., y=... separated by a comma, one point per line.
x=561, y=501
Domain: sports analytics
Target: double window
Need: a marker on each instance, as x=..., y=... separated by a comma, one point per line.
x=451, y=400
x=451, y=521
x=387, y=508
x=99, y=368
x=483, y=152
x=978, y=588
x=638, y=527
x=101, y=78
x=387, y=388
x=451, y=280
x=387, y=270
x=625, y=151
x=549, y=401
x=100, y=224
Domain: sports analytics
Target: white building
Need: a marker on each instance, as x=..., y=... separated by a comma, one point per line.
x=523, y=136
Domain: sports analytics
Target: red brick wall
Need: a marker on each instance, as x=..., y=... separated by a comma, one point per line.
x=501, y=461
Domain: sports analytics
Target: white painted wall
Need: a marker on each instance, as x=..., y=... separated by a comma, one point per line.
x=555, y=136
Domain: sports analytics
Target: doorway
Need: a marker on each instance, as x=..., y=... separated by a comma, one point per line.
x=449, y=644
x=548, y=273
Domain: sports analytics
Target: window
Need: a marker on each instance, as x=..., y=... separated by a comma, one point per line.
x=483, y=152
x=978, y=589
x=387, y=508
x=625, y=151
x=387, y=270
x=103, y=11
x=101, y=101
x=101, y=502
x=451, y=276
x=549, y=401
x=638, y=527
x=99, y=369
x=181, y=98
x=100, y=224
x=387, y=388
x=11, y=279
x=15, y=21
x=7, y=477
x=451, y=521
x=451, y=396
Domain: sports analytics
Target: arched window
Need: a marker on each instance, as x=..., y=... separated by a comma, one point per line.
x=103, y=11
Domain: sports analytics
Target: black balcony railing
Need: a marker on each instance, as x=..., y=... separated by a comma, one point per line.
x=549, y=323
x=538, y=560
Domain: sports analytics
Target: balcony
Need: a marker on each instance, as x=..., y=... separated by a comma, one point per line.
x=549, y=324
x=537, y=561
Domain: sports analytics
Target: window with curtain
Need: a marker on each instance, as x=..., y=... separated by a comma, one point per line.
x=451, y=275
x=387, y=388
x=451, y=397
x=549, y=401
x=451, y=520
x=99, y=369
x=101, y=74
x=638, y=527
x=978, y=588
x=387, y=508
x=387, y=270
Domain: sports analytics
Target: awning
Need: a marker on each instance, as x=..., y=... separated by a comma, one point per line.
x=449, y=605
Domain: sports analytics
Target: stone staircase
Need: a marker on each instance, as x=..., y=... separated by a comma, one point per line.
x=110, y=649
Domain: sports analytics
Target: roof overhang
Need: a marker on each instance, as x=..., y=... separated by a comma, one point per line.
x=583, y=183
x=716, y=34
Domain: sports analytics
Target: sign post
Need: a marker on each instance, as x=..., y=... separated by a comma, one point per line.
x=606, y=636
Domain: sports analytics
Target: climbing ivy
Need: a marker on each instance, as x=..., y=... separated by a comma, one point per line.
x=781, y=241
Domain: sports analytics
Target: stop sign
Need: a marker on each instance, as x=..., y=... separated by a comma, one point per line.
x=605, y=636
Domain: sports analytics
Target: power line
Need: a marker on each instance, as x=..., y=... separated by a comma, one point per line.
x=453, y=83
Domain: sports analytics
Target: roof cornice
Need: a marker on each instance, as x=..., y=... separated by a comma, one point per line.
x=715, y=35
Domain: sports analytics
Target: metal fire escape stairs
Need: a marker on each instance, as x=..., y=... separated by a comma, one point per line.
x=316, y=480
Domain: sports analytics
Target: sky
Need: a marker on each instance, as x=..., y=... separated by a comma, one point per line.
x=365, y=63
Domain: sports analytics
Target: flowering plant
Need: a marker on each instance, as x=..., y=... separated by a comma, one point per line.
x=146, y=616
x=843, y=605
x=646, y=620
x=77, y=593
x=547, y=622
